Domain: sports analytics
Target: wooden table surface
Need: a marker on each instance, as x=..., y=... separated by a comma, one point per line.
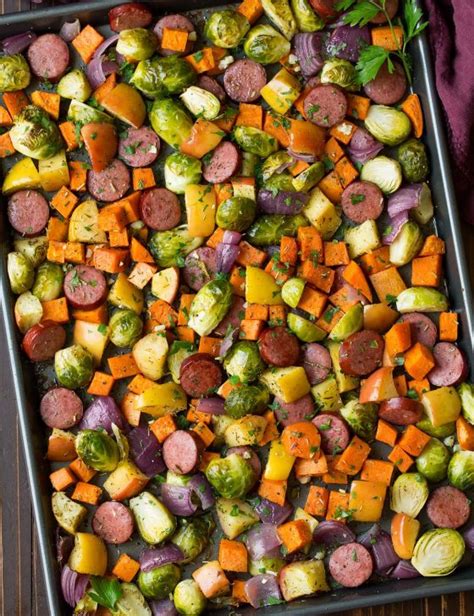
x=21, y=588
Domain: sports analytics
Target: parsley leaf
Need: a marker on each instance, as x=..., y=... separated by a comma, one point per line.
x=105, y=592
x=370, y=61
x=361, y=13
x=412, y=15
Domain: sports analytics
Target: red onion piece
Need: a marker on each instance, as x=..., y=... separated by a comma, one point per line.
x=395, y=226
x=202, y=489
x=69, y=30
x=308, y=48
x=163, y=608
x=404, y=199
x=73, y=585
x=380, y=544
x=272, y=513
x=332, y=532
x=263, y=540
x=307, y=158
x=363, y=146
x=18, y=43
x=64, y=545
x=95, y=71
x=262, y=590
x=284, y=202
x=228, y=340
x=178, y=499
x=156, y=557
x=226, y=254
x=231, y=237
x=102, y=413
x=404, y=570
x=213, y=405
x=145, y=450
x=346, y=42
x=468, y=535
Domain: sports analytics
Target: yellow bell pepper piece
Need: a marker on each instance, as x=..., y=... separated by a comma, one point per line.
x=200, y=203
x=288, y=383
x=162, y=399
x=54, y=172
x=261, y=288
x=92, y=337
x=22, y=175
x=281, y=91
x=89, y=554
x=366, y=500
x=279, y=463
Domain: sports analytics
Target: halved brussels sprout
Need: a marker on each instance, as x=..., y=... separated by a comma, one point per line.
x=304, y=329
x=407, y=244
x=265, y=45
x=383, y=171
x=461, y=470
x=159, y=582
x=436, y=431
x=201, y=103
x=414, y=160
x=14, y=73
x=307, y=179
x=178, y=352
x=268, y=230
x=48, y=283
x=244, y=361
x=74, y=85
x=73, y=366
x=154, y=521
x=170, y=122
x=137, y=44
x=409, y=494
x=180, y=171
x=28, y=311
x=226, y=28
x=169, y=248
x=210, y=306
x=433, y=461
x=188, y=598
x=280, y=181
x=438, y=552
x=306, y=19
x=424, y=211
x=340, y=72
x=387, y=124
x=131, y=602
x=236, y=213
x=34, y=134
x=280, y=14
x=292, y=290
x=421, y=299
x=192, y=536
x=247, y=399
x=98, y=450
x=231, y=477
x=33, y=248
x=81, y=114
x=466, y=393
x=255, y=141
x=20, y=271
x=160, y=77
x=362, y=418
x=274, y=163
x=125, y=328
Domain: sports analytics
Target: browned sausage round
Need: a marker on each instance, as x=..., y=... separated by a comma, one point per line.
x=182, y=451
x=362, y=201
x=111, y=184
x=450, y=365
x=28, y=212
x=160, y=209
x=401, y=411
x=279, y=347
x=243, y=80
x=422, y=328
x=48, y=57
x=293, y=412
x=199, y=266
x=200, y=375
x=361, y=353
x=391, y=6
x=174, y=22
x=85, y=287
x=387, y=88
x=139, y=147
x=61, y=408
x=334, y=432
x=316, y=362
x=351, y=565
x=42, y=341
x=129, y=16
x=325, y=105
x=224, y=163
x=211, y=85
x=113, y=522
x=448, y=507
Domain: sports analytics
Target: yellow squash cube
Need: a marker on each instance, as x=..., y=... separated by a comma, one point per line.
x=200, y=203
x=366, y=500
x=54, y=172
x=261, y=288
x=281, y=91
x=290, y=383
x=279, y=463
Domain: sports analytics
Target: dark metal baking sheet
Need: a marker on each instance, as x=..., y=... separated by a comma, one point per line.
x=32, y=431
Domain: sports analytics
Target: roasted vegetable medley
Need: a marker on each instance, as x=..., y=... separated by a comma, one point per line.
x=223, y=255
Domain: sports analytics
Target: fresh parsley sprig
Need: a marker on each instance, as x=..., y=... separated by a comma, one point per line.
x=105, y=592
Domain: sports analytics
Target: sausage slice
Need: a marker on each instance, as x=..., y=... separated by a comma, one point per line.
x=61, y=408
x=182, y=451
x=85, y=287
x=200, y=375
x=279, y=347
x=361, y=353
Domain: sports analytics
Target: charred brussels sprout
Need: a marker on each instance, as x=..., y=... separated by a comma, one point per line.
x=439, y=431
x=247, y=399
x=362, y=418
x=226, y=28
x=268, y=230
x=98, y=450
x=137, y=44
x=34, y=134
x=433, y=461
x=160, y=77
x=340, y=72
x=466, y=393
x=265, y=45
x=279, y=13
x=74, y=366
x=20, y=272
x=74, y=85
x=255, y=141
x=14, y=73
x=231, y=477
x=188, y=598
x=170, y=247
x=192, y=536
x=33, y=248
x=413, y=158
x=180, y=171
x=125, y=328
x=274, y=163
x=48, y=283
x=387, y=124
x=409, y=494
x=236, y=213
x=210, y=306
x=159, y=582
x=438, y=552
x=279, y=181
x=407, y=244
x=201, y=103
x=306, y=19
x=244, y=361
x=461, y=470
x=170, y=122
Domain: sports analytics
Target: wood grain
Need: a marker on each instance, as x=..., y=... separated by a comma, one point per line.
x=21, y=584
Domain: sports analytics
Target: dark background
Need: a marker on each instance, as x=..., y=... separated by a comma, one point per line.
x=21, y=586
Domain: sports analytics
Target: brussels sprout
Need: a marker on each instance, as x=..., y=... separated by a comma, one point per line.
x=273, y=163
x=461, y=470
x=81, y=114
x=280, y=181
x=179, y=351
x=231, y=477
x=466, y=393
x=409, y=494
x=424, y=211
x=154, y=521
x=269, y=229
x=414, y=160
x=362, y=418
x=433, y=461
x=48, y=283
x=180, y=171
x=421, y=299
x=74, y=85
x=265, y=45
x=266, y=564
x=170, y=122
x=21, y=273
x=244, y=361
x=280, y=14
x=160, y=77
x=437, y=432
x=33, y=248
x=226, y=28
x=387, y=124
x=97, y=449
x=438, y=552
x=210, y=306
x=188, y=598
x=28, y=311
x=137, y=44
x=131, y=602
x=170, y=247
x=247, y=399
x=292, y=290
x=236, y=213
x=74, y=366
x=125, y=328
x=14, y=73
x=255, y=141
x=351, y=322
x=383, y=171
x=201, y=103
x=407, y=244
x=159, y=582
x=34, y=134
x=192, y=536
x=307, y=179
x=340, y=72
x=306, y=19
x=304, y=329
